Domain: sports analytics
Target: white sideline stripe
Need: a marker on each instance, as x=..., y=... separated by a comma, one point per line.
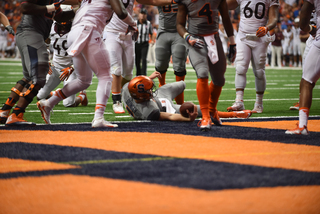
x=38, y=111
x=88, y=113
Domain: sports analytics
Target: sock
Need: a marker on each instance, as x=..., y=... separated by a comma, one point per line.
x=215, y=92
x=99, y=111
x=180, y=98
x=162, y=81
x=259, y=98
x=56, y=98
x=303, y=116
x=17, y=110
x=203, y=97
x=9, y=104
x=227, y=114
x=116, y=96
x=81, y=96
x=239, y=96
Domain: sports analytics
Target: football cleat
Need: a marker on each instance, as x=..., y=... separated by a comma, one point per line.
x=237, y=106
x=298, y=131
x=4, y=114
x=243, y=114
x=118, y=108
x=257, y=109
x=84, y=102
x=215, y=119
x=100, y=122
x=205, y=124
x=295, y=107
x=17, y=120
x=45, y=111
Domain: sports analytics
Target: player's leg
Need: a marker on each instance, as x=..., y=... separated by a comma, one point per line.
x=53, y=80
x=163, y=54
x=179, y=56
x=242, y=62
x=199, y=61
x=217, y=72
x=35, y=58
x=171, y=90
x=97, y=57
x=259, y=57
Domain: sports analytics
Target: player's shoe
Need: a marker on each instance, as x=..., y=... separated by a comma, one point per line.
x=17, y=120
x=295, y=106
x=257, y=108
x=205, y=124
x=298, y=131
x=243, y=114
x=100, y=122
x=45, y=111
x=118, y=108
x=4, y=114
x=84, y=102
x=237, y=106
x=215, y=119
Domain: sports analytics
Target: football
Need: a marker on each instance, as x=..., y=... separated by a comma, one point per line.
x=184, y=107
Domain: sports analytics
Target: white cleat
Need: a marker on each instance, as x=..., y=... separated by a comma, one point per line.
x=295, y=107
x=298, y=131
x=118, y=108
x=45, y=111
x=257, y=109
x=237, y=106
x=100, y=122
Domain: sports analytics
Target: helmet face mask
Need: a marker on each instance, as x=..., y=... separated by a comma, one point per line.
x=63, y=27
x=141, y=88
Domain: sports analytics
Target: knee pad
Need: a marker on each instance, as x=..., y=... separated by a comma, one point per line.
x=17, y=91
x=162, y=59
x=30, y=93
x=179, y=57
x=180, y=73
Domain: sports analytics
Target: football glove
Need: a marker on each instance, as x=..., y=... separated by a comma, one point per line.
x=50, y=70
x=66, y=72
x=313, y=30
x=232, y=53
x=195, y=42
x=262, y=31
x=10, y=30
x=55, y=7
x=134, y=32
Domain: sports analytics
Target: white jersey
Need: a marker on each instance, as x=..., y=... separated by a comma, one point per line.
x=61, y=59
x=296, y=34
x=254, y=14
x=116, y=24
x=316, y=4
x=287, y=35
x=3, y=35
x=96, y=13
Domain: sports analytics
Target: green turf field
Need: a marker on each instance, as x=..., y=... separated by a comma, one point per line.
x=282, y=92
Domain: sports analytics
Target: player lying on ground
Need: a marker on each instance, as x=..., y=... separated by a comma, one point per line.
x=143, y=103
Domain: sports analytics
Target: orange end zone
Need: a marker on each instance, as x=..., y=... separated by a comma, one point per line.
x=313, y=125
x=84, y=194
x=17, y=165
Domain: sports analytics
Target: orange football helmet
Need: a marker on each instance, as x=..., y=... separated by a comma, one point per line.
x=141, y=88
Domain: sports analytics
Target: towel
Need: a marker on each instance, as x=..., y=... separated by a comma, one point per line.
x=212, y=48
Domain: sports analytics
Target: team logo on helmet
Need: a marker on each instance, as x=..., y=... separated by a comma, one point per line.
x=141, y=88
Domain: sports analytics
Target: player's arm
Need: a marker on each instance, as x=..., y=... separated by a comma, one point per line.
x=273, y=17
x=4, y=20
x=305, y=15
x=122, y=13
x=232, y=4
x=176, y=117
x=181, y=20
x=157, y=2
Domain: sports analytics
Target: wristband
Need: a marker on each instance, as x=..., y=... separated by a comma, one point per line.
x=310, y=27
x=185, y=35
x=50, y=8
x=129, y=20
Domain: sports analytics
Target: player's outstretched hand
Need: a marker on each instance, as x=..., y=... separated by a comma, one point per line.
x=66, y=72
x=155, y=74
x=195, y=42
x=262, y=31
x=232, y=53
x=10, y=30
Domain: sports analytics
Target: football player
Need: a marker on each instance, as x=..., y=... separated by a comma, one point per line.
x=170, y=43
x=311, y=67
x=31, y=33
x=143, y=103
x=206, y=52
x=256, y=19
x=61, y=67
x=287, y=45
